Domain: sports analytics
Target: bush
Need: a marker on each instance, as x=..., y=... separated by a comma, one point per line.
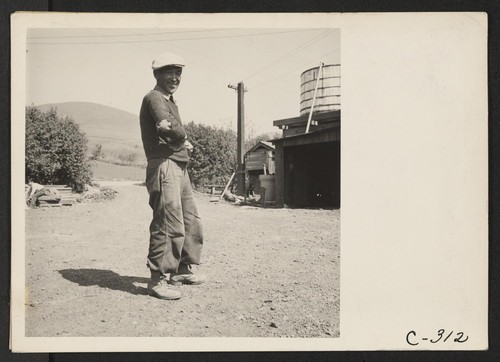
x=55, y=150
x=214, y=155
x=126, y=158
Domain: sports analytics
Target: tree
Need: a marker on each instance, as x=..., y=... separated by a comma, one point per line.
x=213, y=158
x=97, y=153
x=252, y=140
x=55, y=150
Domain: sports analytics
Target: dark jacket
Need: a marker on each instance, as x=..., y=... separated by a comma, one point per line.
x=157, y=106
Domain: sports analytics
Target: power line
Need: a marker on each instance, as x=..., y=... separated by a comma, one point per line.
x=185, y=49
x=293, y=52
x=205, y=56
x=294, y=69
x=122, y=35
x=167, y=40
x=204, y=65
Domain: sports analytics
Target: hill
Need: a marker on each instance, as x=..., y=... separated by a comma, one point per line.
x=116, y=130
x=99, y=121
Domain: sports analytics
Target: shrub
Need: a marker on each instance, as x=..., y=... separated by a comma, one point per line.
x=98, y=194
x=214, y=155
x=126, y=158
x=97, y=153
x=55, y=150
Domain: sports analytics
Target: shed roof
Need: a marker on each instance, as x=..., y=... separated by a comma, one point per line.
x=262, y=144
x=318, y=136
x=330, y=116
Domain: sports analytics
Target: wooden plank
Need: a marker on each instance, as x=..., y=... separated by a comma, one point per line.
x=67, y=199
x=60, y=203
x=227, y=186
x=50, y=205
x=60, y=188
x=66, y=193
x=256, y=157
x=254, y=167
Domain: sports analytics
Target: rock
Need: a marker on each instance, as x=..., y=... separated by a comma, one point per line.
x=273, y=325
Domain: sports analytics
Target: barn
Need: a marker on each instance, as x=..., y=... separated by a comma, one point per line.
x=259, y=160
x=308, y=164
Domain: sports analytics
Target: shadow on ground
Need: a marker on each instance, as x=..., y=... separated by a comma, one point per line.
x=105, y=279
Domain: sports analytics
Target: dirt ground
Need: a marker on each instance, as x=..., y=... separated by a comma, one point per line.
x=272, y=272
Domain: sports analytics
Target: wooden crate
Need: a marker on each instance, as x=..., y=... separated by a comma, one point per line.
x=67, y=197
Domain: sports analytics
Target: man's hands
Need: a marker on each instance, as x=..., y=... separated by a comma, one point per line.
x=188, y=145
x=164, y=125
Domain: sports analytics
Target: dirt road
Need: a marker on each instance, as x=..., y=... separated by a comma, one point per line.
x=272, y=272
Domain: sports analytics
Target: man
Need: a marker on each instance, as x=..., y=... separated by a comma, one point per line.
x=176, y=236
x=35, y=191
x=29, y=191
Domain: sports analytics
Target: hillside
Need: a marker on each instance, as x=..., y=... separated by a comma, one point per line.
x=99, y=121
x=117, y=131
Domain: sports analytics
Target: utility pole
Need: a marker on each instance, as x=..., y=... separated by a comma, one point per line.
x=240, y=143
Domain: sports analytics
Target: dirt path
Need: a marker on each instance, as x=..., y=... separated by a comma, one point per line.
x=272, y=272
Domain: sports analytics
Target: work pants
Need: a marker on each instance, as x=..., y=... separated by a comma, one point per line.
x=176, y=234
x=34, y=198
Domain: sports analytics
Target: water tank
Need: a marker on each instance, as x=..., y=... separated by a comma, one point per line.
x=328, y=95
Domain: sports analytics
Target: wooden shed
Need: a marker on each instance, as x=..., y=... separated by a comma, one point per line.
x=308, y=164
x=259, y=160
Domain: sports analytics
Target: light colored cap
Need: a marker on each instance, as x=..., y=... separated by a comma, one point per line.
x=167, y=59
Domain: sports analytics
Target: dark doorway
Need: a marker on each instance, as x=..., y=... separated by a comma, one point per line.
x=312, y=175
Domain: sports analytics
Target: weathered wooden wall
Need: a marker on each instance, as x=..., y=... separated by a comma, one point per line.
x=308, y=170
x=256, y=160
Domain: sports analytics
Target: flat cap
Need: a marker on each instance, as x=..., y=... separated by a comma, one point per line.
x=167, y=59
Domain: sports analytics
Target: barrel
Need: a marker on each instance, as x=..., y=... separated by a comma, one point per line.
x=268, y=182
x=328, y=95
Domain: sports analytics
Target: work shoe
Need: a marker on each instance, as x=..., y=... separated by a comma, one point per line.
x=159, y=288
x=185, y=276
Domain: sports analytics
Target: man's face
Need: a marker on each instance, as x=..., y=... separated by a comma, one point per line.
x=169, y=78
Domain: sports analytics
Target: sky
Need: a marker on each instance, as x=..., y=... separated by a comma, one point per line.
x=113, y=67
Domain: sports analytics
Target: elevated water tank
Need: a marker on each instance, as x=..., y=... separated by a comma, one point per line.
x=328, y=95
